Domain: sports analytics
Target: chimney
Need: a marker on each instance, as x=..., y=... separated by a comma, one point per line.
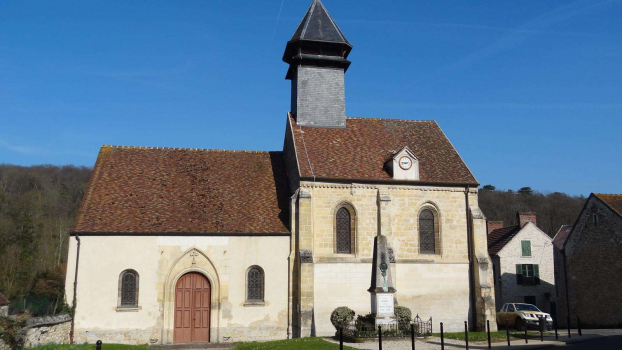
x=494, y=225
x=524, y=218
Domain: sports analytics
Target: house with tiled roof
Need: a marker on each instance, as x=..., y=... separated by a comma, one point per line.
x=588, y=264
x=523, y=263
x=178, y=245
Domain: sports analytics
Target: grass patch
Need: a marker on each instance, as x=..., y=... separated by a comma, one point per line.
x=494, y=336
x=291, y=344
x=89, y=347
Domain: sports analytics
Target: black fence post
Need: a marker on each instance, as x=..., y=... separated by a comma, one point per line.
x=442, y=338
x=556, y=335
x=379, y=337
x=526, y=340
x=466, y=334
x=488, y=329
x=579, y=326
x=542, y=322
x=341, y=338
x=507, y=331
x=568, y=322
x=98, y=345
x=412, y=335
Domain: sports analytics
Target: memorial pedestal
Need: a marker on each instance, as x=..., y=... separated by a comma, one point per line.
x=382, y=307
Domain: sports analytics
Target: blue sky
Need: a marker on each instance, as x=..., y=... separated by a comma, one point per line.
x=529, y=92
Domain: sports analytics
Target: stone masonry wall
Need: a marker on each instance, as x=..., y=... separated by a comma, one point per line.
x=593, y=253
x=46, y=330
x=434, y=285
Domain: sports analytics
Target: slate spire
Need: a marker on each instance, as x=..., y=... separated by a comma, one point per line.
x=318, y=38
x=317, y=56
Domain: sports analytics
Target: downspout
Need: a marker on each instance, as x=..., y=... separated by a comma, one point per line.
x=75, y=291
x=567, y=294
x=472, y=300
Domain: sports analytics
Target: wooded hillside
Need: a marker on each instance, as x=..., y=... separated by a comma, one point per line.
x=552, y=209
x=37, y=207
x=38, y=204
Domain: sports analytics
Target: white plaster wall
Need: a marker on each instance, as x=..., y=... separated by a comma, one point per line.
x=440, y=291
x=103, y=258
x=542, y=254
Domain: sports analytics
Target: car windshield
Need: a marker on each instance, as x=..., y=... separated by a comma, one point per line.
x=526, y=307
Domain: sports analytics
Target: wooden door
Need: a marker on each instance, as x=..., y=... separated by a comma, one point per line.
x=192, y=309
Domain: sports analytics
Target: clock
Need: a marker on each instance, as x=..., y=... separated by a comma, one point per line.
x=405, y=162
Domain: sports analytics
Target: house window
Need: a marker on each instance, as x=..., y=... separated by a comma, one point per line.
x=429, y=240
x=255, y=285
x=525, y=248
x=527, y=274
x=128, y=289
x=530, y=299
x=344, y=229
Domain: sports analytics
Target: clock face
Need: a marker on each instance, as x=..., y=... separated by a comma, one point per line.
x=405, y=163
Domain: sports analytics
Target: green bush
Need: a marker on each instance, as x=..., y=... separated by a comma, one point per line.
x=11, y=331
x=404, y=316
x=341, y=317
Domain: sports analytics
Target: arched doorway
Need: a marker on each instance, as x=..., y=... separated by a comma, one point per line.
x=192, y=309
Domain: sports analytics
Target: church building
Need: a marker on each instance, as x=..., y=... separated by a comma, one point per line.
x=176, y=245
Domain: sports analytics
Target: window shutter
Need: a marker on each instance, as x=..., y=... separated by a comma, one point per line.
x=526, y=248
x=536, y=274
x=519, y=274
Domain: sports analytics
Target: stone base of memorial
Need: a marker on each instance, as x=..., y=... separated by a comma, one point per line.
x=383, y=309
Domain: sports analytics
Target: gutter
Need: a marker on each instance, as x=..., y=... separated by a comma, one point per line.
x=75, y=291
x=386, y=182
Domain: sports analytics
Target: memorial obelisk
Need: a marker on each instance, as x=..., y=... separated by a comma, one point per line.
x=382, y=300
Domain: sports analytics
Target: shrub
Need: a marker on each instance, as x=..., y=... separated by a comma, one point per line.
x=11, y=331
x=341, y=317
x=404, y=316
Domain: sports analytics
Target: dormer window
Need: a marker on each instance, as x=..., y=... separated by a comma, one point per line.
x=404, y=165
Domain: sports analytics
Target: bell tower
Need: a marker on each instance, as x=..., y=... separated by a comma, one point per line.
x=317, y=56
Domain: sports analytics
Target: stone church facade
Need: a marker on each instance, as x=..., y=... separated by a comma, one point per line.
x=189, y=245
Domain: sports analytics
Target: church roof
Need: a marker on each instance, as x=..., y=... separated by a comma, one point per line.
x=140, y=190
x=318, y=25
x=359, y=151
x=498, y=238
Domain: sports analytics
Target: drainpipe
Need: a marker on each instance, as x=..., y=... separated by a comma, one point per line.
x=75, y=291
x=472, y=303
x=567, y=295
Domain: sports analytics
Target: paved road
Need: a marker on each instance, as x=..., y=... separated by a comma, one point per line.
x=606, y=343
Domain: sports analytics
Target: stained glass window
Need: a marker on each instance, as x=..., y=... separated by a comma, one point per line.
x=344, y=232
x=129, y=289
x=255, y=284
x=426, y=232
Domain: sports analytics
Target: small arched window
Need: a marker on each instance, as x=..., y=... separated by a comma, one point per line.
x=255, y=285
x=343, y=231
x=128, y=289
x=428, y=232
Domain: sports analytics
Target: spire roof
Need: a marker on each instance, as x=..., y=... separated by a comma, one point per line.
x=318, y=25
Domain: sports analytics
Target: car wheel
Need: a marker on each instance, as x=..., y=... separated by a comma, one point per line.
x=519, y=324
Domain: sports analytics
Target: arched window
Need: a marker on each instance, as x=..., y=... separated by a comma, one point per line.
x=427, y=232
x=128, y=289
x=255, y=285
x=343, y=231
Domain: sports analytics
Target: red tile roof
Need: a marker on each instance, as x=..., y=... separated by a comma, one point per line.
x=614, y=201
x=169, y=190
x=498, y=238
x=561, y=236
x=3, y=301
x=359, y=151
